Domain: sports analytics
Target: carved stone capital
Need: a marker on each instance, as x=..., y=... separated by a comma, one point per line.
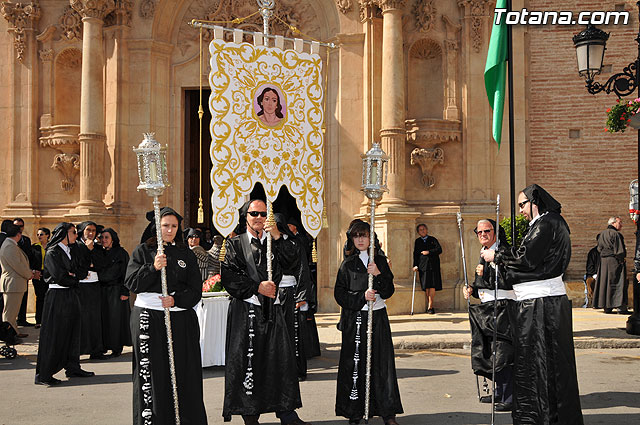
x=426, y=159
x=21, y=18
x=386, y=5
x=93, y=8
x=475, y=11
x=344, y=6
x=368, y=9
x=121, y=14
x=68, y=164
x=46, y=55
x=424, y=12
x=147, y=9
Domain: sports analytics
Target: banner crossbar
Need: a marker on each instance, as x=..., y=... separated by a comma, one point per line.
x=197, y=24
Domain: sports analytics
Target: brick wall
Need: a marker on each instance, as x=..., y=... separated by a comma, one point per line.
x=589, y=175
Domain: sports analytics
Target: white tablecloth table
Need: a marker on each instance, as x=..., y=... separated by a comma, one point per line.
x=212, y=316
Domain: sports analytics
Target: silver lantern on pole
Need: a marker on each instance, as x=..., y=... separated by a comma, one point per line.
x=152, y=171
x=374, y=184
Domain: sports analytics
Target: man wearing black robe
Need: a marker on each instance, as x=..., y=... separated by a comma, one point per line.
x=260, y=370
x=59, y=343
x=611, y=289
x=482, y=322
x=545, y=376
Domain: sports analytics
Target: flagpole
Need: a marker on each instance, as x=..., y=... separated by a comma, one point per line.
x=512, y=172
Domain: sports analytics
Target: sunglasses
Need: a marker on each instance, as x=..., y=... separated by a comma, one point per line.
x=523, y=203
x=486, y=232
x=257, y=213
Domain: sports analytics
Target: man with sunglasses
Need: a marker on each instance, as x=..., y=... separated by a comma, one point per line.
x=260, y=370
x=545, y=377
x=482, y=322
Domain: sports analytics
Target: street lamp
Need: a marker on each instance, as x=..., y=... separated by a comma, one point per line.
x=590, y=46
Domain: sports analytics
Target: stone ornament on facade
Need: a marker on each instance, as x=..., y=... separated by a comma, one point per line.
x=344, y=6
x=426, y=133
x=93, y=8
x=425, y=14
x=70, y=24
x=391, y=4
x=46, y=55
x=21, y=17
x=475, y=9
x=147, y=9
x=425, y=49
x=121, y=15
x=426, y=159
x=369, y=8
x=69, y=165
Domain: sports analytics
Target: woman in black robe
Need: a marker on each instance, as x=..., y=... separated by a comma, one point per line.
x=115, y=296
x=59, y=343
x=352, y=294
x=426, y=261
x=152, y=390
x=88, y=258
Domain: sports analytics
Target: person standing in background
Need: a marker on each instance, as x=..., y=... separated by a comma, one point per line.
x=426, y=261
x=25, y=245
x=40, y=287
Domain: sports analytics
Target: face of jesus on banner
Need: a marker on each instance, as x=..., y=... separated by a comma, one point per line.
x=269, y=107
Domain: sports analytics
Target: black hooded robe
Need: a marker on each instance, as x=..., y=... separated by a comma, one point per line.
x=90, y=294
x=482, y=325
x=152, y=390
x=611, y=290
x=59, y=342
x=545, y=375
x=260, y=371
x=351, y=284
x=115, y=312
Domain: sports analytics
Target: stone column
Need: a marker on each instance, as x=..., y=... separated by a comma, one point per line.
x=92, y=131
x=392, y=132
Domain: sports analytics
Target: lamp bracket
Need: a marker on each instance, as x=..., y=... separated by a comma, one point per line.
x=622, y=84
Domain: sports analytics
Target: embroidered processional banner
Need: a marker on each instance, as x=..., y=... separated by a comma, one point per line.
x=267, y=113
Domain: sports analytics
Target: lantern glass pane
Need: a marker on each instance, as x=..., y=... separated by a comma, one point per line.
x=141, y=173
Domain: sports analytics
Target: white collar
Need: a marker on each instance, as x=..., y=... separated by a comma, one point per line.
x=65, y=248
x=536, y=218
x=250, y=236
x=364, y=257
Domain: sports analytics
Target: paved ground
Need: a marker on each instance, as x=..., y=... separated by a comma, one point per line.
x=437, y=386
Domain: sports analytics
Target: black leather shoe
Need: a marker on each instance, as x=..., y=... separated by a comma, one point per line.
x=503, y=407
x=431, y=311
x=115, y=354
x=608, y=311
x=48, y=383
x=80, y=373
x=624, y=311
x=354, y=421
x=98, y=356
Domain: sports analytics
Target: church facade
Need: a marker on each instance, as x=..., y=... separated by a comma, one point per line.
x=82, y=80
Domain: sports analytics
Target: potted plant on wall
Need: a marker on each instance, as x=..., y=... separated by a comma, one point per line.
x=622, y=115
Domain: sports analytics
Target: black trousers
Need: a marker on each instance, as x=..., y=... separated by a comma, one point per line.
x=22, y=314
